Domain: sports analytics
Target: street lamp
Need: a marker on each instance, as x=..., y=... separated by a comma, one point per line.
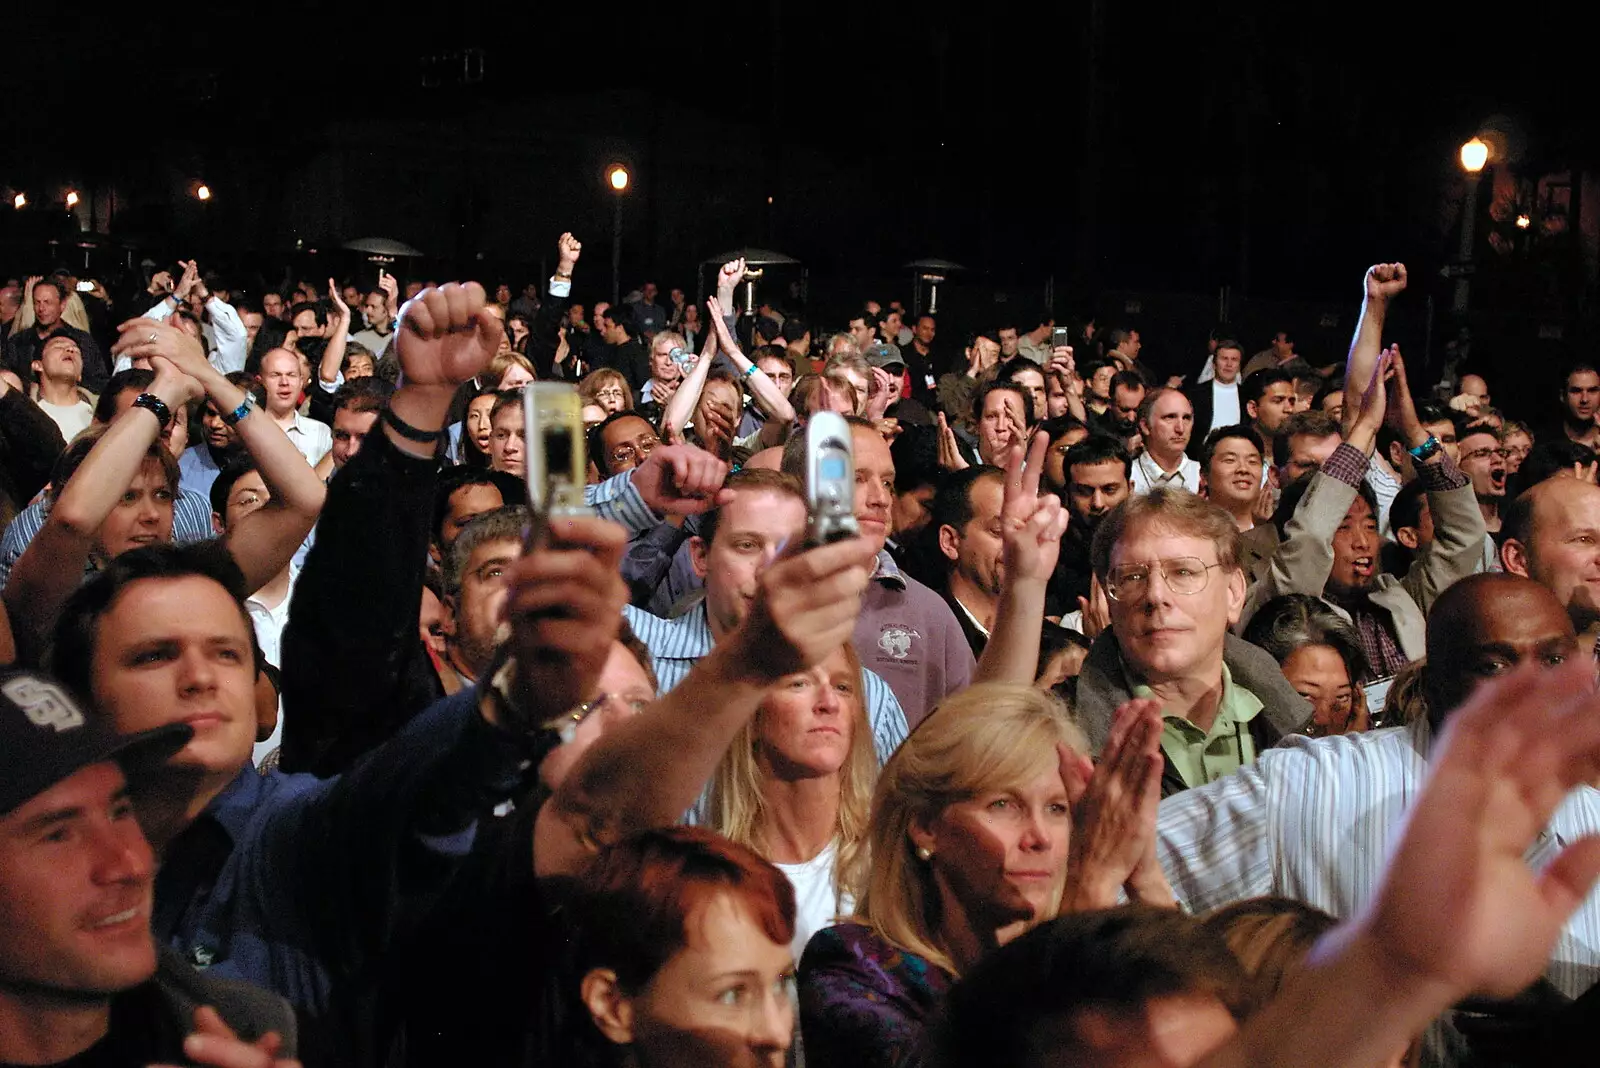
x=617, y=178
x=1474, y=157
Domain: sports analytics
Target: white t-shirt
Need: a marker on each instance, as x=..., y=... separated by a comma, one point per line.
x=817, y=903
x=71, y=418
x=1224, y=404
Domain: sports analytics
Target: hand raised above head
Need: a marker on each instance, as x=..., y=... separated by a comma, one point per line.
x=445, y=336
x=1385, y=280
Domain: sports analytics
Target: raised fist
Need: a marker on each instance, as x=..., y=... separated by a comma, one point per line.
x=445, y=337
x=1385, y=280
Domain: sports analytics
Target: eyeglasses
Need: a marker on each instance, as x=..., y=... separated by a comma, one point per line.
x=1478, y=454
x=635, y=451
x=567, y=726
x=1184, y=575
x=611, y=391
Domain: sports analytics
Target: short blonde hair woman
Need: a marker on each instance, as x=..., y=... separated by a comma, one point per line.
x=967, y=848
x=796, y=787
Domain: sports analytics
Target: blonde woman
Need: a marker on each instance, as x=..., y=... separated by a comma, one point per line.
x=606, y=389
x=968, y=847
x=796, y=786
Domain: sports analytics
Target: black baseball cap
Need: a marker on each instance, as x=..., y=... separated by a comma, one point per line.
x=45, y=737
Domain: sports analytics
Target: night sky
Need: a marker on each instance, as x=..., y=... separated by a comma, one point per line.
x=1275, y=148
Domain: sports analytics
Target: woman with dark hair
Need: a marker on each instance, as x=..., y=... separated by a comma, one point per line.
x=1321, y=656
x=682, y=952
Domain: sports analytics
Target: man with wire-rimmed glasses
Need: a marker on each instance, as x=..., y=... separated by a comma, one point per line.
x=1169, y=563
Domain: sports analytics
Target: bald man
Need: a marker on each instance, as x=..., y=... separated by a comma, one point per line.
x=1313, y=818
x=1552, y=535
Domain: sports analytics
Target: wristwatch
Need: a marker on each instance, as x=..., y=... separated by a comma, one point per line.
x=1427, y=450
x=155, y=406
x=246, y=406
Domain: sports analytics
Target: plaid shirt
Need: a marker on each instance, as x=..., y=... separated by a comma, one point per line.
x=1373, y=625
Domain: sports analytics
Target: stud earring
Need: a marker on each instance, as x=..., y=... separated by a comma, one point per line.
x=924, y=853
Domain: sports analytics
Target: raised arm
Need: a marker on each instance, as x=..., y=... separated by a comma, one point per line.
x=352, y=680
x=762, y=387
x=1459, y=911
x=1032, y=529
x=52, y=566
x=1304, y=558
x=263, y=542
x=647, y=771
x=338, y=336
x=680, y=407
x=544, y=333
x=1384, y=282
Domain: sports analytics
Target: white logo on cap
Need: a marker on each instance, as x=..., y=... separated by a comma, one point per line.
x=44, y=704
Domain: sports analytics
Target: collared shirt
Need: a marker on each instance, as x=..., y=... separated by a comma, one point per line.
x=191, y=521
x=1313, y=820
x=1147, y=474
x=299, y=884
x=909, y=635
x=198, y=469
x=977, y=624
x=1206, y=756
x=269, y=624
x=313, y=439
x=676, y=645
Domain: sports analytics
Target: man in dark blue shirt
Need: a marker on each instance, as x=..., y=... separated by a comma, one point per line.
x=298, y=884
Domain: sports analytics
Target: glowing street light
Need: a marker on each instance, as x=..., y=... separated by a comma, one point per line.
x=1474, y=157
x=617, y=178
x=72, y=198
x=203, y=192
x=19, y=201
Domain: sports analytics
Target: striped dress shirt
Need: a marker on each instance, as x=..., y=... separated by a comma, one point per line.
x=676, y=644
x=1313, y=820
x=191, y=521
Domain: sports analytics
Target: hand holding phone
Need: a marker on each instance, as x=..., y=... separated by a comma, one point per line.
x=830, y=480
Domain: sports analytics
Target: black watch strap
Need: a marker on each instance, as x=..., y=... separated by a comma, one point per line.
x=409, y=432
x=156, y=406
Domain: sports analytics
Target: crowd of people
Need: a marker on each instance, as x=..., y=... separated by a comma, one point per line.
x=1243, y=721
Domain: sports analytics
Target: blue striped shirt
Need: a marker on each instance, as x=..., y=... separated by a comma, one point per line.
x=191, y=521
x=1313, y=820
x=676, y=644
x=617, y=500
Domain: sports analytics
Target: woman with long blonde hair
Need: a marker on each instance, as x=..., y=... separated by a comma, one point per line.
x=968, y=846
x=796, y=787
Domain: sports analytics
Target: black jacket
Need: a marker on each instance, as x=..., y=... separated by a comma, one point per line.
x=354, y=667
x=30, y=443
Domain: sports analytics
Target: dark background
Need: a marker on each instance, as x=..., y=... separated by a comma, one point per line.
x=1106, y=155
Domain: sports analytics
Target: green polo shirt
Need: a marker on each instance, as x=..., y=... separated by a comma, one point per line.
x=1206, y=756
